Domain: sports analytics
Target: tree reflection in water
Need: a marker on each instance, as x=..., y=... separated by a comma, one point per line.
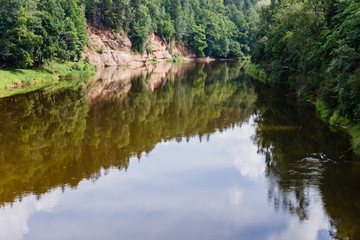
x=60, y=136
x=51, y=139
x=302, y=157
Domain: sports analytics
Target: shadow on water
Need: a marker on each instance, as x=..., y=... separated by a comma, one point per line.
x=57, y=138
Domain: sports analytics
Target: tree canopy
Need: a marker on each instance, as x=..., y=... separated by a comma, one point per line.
x=34, y=31
x=226, y=24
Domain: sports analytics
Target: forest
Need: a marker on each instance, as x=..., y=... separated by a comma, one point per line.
x=314, y=47
x=35, y=31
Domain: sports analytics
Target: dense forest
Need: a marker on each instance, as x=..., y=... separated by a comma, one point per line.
x=213, y=28
x=314, y=46
x=35, y=31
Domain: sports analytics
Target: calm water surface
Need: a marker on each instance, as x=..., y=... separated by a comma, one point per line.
x=187, y=151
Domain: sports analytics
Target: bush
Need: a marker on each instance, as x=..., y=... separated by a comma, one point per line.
x=101, y=50
x=76, y=66
x=355, y=133
x=338, y=120
x=256, y=72
x=323, y=109
x=87, y=60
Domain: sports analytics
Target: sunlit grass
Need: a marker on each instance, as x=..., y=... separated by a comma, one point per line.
x=19, y=81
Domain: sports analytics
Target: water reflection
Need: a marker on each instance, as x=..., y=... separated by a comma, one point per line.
x=40, y=144
x=56, y=139
x=14, y=218
x=304, y=158
x=250, y=151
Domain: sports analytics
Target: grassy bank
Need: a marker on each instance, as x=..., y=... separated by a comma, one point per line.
x=330, y=115
x=18, y=81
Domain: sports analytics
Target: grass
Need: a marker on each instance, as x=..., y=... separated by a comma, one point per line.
x=19, y=81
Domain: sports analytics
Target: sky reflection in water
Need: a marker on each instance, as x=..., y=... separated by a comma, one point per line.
x=172, y=152
x=196, y=190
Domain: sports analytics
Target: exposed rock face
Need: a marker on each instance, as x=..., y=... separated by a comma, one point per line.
x=109, y=50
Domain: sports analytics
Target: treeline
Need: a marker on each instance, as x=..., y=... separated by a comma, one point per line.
x=212, y=28
x=315, y=47
x=35, y=31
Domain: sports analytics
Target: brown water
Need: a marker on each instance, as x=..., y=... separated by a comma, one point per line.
x=187, y=151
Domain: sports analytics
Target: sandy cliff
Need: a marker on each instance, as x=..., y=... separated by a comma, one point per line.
x=108, y=50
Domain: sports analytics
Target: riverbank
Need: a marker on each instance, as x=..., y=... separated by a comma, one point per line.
x=19, y=81
x=258, y=73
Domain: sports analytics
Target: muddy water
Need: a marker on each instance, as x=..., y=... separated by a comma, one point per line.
x=188, y=151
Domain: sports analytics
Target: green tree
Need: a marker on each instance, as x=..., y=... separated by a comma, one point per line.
x=198, y=42
x=23, y=40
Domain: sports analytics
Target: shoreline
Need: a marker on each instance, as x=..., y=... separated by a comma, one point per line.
x=353, y=129
x=20, y=81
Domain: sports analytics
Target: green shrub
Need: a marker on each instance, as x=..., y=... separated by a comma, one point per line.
x=153, y=61
x=337, y=120
x=101, y=50
x=258, y=73
x=323, y=109
x=355, y=133
x=76, y=67
x=87, y=60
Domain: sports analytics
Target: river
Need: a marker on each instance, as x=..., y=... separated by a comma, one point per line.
x=189, y=151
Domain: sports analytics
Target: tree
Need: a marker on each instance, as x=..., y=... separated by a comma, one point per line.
x=198, y=42
x=22, y=40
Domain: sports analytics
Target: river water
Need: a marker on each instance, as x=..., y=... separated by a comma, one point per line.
x=191, y=151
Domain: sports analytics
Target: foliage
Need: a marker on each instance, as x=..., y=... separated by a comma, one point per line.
x=198, y=41
x=355, y=132
x=302, y=155
x=34, y=31
x=323, y=109
x=314, y=46
x=257, y=72
x=227, y=25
